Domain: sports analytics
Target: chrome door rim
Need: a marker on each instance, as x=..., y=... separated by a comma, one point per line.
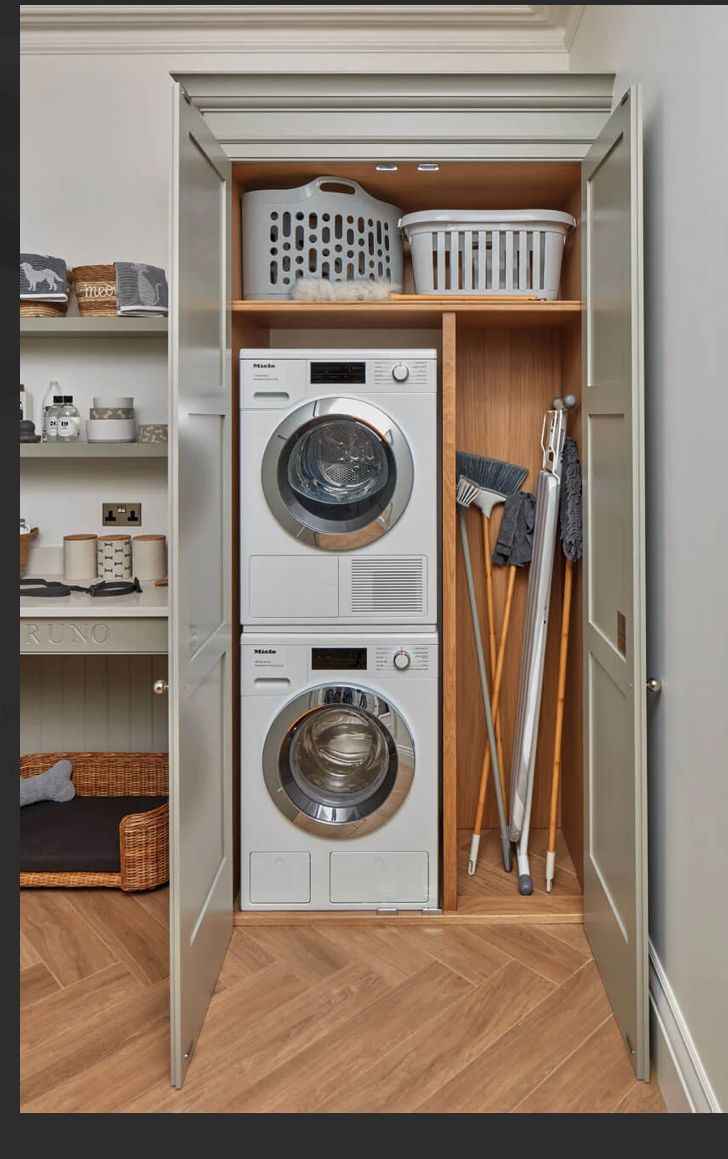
x=394, y=442
x=339, y=821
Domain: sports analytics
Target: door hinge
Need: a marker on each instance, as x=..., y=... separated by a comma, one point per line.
x=187, y=96
x=630, y=1048
x=190, y=1048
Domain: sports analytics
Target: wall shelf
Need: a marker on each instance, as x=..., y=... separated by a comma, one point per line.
x=407, y=311
x=93, y=451
x=77, y=327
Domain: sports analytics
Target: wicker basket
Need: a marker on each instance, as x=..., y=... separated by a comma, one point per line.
x=25, y=544
x=43, y=309
x=95, y=289
x=143, y=837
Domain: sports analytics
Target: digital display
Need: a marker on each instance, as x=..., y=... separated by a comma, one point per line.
x=338, y=373
x=339, y=659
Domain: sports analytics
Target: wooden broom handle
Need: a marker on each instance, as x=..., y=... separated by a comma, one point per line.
x=500, y=665
x=560, y=698
x=492, y=641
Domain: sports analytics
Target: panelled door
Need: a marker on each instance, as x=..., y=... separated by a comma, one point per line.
x=200, y=629
x=615, y=857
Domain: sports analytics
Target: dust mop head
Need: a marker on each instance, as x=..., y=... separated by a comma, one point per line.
x=467, y=491
x=571, y=532
x=491, y=474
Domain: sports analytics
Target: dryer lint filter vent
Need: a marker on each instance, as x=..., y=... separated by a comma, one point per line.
x=393, y=585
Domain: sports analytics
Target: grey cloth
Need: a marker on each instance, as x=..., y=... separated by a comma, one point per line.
x=53, y=785
x=141, y=289
x=43, y=278
x=515, y=536
x=571, y=517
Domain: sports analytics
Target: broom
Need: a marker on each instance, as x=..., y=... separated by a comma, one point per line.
x=571, y=543
x=514, y=547
x=466, y=494
x=495, y=481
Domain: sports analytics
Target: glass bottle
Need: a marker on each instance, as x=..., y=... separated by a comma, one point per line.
x=50, y=420
x=49, y=399
x=69, y=420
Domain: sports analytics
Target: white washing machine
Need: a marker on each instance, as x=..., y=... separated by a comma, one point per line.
x=340, y=798
x=339, y=494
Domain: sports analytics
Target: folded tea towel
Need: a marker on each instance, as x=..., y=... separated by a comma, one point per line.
x=515, y=537
x=43, y=278
x=53, y=785
x=140, y=289
x=310, y=289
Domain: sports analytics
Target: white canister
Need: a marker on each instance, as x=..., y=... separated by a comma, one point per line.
x=114, y=557
x=149, y=557
x=79, y=558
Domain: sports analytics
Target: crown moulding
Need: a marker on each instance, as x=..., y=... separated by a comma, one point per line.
x=282, y=28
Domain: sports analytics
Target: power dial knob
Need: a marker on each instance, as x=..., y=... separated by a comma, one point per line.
x=400, y=372
x=402, y=660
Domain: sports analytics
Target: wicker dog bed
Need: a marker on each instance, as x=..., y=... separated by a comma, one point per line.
x=143, y=842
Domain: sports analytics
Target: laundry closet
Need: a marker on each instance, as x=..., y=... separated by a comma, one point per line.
x=421, y=143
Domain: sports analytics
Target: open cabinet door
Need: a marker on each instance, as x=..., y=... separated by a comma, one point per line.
x=200, y=635
x=615, y=854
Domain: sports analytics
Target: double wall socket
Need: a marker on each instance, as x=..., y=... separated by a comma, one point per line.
x=121, y=514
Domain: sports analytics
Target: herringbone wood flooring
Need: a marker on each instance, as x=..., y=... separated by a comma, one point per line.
x=316, y=1018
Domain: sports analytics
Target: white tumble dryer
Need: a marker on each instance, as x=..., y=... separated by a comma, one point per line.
x=339, y=507
x=339, y=794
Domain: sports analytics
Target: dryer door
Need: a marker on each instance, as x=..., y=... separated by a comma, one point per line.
x=337, y=473
x=339, y=760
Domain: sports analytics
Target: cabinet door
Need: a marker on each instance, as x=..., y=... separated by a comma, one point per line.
x=615, y=861
x=200, y=657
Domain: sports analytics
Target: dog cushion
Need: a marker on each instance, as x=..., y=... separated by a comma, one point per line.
x=81, y=836
x=53, y=785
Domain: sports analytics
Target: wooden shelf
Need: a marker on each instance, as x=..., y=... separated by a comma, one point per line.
x=93, y=451
x=77, y=327
x=407, y=311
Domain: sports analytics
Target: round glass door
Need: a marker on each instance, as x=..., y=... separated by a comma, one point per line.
x=337, y=473
x=338, y=759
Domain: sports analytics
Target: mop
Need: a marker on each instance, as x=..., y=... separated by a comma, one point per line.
x=496, y=480
x=467, y=492
x=523, y=763
x=514, y=547
x=571, y=544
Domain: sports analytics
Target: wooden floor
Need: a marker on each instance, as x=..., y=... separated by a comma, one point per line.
x=316, y=1019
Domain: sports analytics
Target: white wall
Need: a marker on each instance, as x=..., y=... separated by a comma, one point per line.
x=678, y=53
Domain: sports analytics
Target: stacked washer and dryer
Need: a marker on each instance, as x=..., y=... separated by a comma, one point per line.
x=339, y=502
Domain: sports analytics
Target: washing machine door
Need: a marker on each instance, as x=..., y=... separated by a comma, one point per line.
x=339, y=760
x=337, y=473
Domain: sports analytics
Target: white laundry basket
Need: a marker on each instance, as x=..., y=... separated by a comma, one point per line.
x=330, y=228
x=513, y=252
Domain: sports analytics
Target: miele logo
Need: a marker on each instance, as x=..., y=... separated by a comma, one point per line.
x=264, y=366
x=265, y=651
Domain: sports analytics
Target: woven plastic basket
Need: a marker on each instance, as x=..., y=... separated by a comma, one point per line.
x=330, y=228
x=95, y=289
x=513, y=252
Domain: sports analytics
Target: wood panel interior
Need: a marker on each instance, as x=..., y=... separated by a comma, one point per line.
x=501, y=366
x=456, y=185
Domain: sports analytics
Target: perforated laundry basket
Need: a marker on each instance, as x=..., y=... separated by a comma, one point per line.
x=330, y=228
x=513, y=252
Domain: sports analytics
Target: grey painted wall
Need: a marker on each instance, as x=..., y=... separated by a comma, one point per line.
x=677, y=54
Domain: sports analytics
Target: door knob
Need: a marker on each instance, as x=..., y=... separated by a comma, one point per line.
x=160, y=687
x=654, y=685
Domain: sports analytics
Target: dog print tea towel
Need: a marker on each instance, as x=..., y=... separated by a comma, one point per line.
x=140, y=289
x=43, y=278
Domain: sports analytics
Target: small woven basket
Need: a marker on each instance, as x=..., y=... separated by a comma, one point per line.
x=43, y=309
x=95, y=289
